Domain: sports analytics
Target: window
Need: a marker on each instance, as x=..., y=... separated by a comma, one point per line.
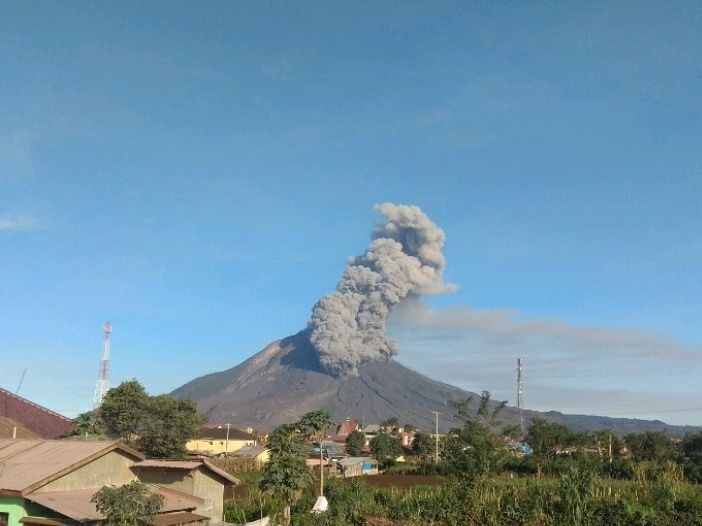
x=4, y=519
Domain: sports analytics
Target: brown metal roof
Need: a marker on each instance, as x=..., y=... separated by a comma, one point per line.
x=250, y=451
x=27, y=464
x=188, y=465
x=181, y=517
x=44, y=422
x=43, y=521
x=8, y=427
x=76, y=505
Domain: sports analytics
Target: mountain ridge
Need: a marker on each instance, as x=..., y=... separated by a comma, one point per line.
x=285, y=380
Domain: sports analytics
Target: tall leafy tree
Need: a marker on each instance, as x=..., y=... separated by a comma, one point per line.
x=123, y=410
x=651, y=445
x=168, y=425
x=477, y=448
x=159, y=426
x=129, y=505
x=385, y=448
x=88, y=424
x=355, y=442
x=286, y=475
x=423, y=445
x=314, y=425
x=543, y=437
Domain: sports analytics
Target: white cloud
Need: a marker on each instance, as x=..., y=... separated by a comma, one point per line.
x=19, y=222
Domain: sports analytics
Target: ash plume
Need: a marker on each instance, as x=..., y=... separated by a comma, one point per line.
x=347, y=327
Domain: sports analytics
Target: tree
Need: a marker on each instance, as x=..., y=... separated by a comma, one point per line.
x=128, y=505
x=285, y=476
x=167, y=426
x=385, y=448
x=123, y=409
x=476, y=448
x=423, y=445
x=692, y=451
x=355, y=442
x=390, y=425
x=88, y=424
x=543, y=437
x=159, y=426
x=651, y=445
x=315, y=424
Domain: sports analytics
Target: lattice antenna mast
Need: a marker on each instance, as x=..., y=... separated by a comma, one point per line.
x=103, y=380
x=520, y=397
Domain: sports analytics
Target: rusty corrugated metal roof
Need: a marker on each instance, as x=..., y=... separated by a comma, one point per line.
x=44, y=422
x=76, y=504
x=26, y=463
x=181, y=517
x=8, y=427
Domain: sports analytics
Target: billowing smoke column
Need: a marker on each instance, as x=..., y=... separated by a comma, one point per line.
x=347, y=327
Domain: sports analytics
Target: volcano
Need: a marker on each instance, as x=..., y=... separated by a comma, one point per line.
x=343, y=361
x=285, y=380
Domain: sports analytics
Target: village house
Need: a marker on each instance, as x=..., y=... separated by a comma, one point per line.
x=346, y=428
x=259, y=455
x=195, y=477
x=51, y=483
x=357, y=466
x=219, y=441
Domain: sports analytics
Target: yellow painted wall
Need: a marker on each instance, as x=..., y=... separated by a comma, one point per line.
x=107, y=470
x=216, y=446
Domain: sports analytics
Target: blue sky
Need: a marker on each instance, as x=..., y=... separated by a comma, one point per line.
x=197, y=173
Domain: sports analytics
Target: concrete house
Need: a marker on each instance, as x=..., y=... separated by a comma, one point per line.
x=258, y=454
x=195, y=477
x=357, y=466
x=50, y=483
x=214, y=441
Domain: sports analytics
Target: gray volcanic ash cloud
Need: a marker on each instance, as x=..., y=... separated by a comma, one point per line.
x=347, y=327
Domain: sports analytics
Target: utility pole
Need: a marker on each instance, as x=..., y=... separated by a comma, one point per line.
x=436, y=437
x=321, y=468
x=226, y=443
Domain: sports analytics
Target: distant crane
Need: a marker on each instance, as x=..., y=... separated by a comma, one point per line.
x=520, y=397
x=103, y=381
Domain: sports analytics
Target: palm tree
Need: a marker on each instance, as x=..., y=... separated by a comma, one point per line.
x=315, y=424
x=286, y=475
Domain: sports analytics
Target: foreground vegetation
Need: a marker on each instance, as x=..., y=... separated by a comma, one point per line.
x=579, y=497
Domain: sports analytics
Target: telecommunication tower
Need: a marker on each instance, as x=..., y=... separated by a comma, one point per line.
x=103, y=380
x=520, y=397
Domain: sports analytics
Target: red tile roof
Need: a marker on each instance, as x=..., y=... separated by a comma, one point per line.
x=42, y=421
x=348, y=427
